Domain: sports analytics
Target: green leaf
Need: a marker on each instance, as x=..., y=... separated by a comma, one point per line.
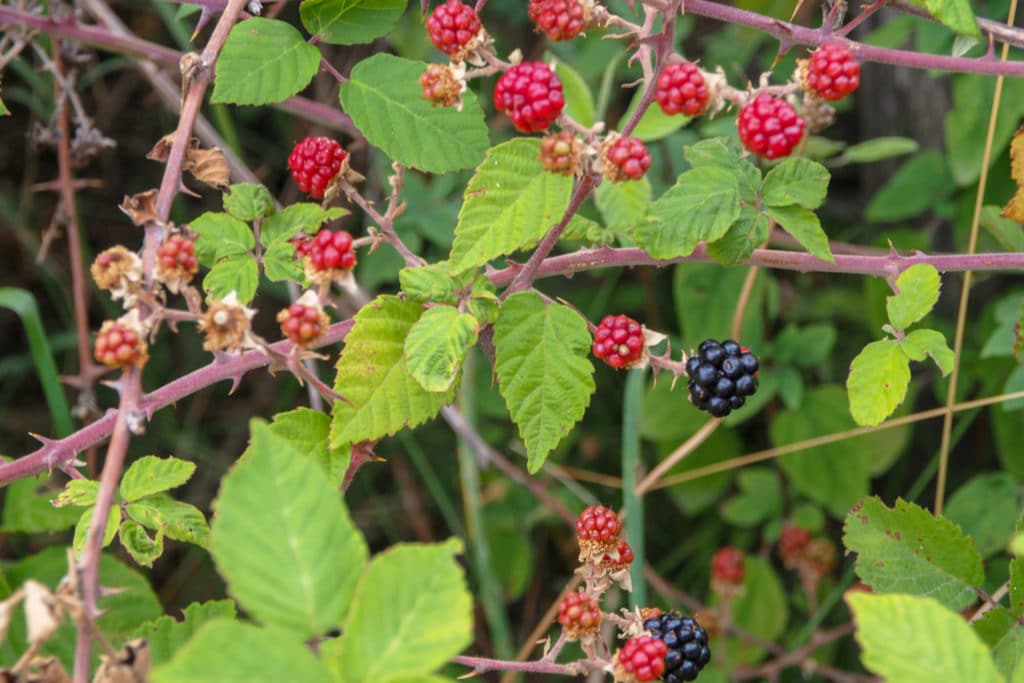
x=1009, y=234
x=304, y=216
x=999, y=630
x=1016, y=580
x=179, y=521
x=264, y=61
x=804, y=226
x=284, y=541
x=835, y=476
x=238, y=274
x=579, y=101
x=623, y=205
x=796, y=181
x=654, y=124
x=248, y=201
x=150, y=474
x=78, y=492
x=437, y=344
x=373, y=375
x=760, y=497
x=702, y=205
x=922, y=343
x=807, y=347
x=985, y=508
x=82, y=528
x=956, y=14
x=432, y=282
x=749, y=232
x=384, y=98
x=220, y=235
x=918, y=185
x=165, y=635
x=906, y=549
x=724, y=153
x=4, y=111
x=544, y=372
x=228, y=651
x=913, y=639
x=411, y=614
x=966, y=126
x=280, y=265
x=349, y=22
x=878, y=149
x=918, y=291
x=510, y=203
x=308, y=430
x=877, y=382
x=762, y=608
x=143, y=549
x=28, y=508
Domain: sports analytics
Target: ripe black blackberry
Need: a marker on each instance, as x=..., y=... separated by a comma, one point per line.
x=687, y=644
x=722, y=375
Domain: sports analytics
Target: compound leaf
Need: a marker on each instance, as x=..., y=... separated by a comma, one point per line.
x=804, y=226
x=878, y=381
x=797, y=181
x=348, y=22
x=264, y=61
x=918, y=291
x=702, y=205
x=150, y=474
x=437, y=345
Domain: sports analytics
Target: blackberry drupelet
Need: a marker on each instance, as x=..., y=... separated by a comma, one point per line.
x=721, y=376
x=687, y=644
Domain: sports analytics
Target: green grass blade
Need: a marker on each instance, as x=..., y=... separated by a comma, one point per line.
x=631, y=406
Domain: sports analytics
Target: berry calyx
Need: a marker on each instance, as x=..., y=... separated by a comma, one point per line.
x=793, y=540
x=832, y=72
x=619, y=341
x=559, y=19
x=440, y=85
x=641, y=659
x=597, y=532
x=116, y=268
x=560, y=152
x=304, y=322
x=579, y=614
x=681, y=89
x=531, y=94
x=314, y=162
x=331, y=250
x=451, y=27
x=686, y=643
x=770, y=127
x=628, y=159
x=120, y=345
x=721, y=377
x=620, y=559
x=727, y=567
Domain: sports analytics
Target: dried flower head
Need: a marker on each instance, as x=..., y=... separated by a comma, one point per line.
x=227, y=325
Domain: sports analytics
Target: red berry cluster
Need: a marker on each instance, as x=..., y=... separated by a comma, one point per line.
x=118, y=345
x=628, y=160
x=624, y=555
x=531, y=94
x=832, y=72
x=329, y=250
x=314, y=162
x=598, y=524
x=770, y=127
x=793, y=540
x=178, y=255
x=302, y=324
x=559, y=152
x=641, y=659
x=559, y=19
x=619, y=341
x=727, y=567
x=579, y=614
x=451, y=26
x=682, y=89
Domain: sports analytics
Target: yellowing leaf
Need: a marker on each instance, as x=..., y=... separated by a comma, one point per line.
x=1014, y=209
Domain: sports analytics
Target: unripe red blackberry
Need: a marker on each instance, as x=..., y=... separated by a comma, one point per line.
x=793, y=540
x=559, y=19
x=727, y=567
x=682, y=89
x=579, y=614
x=560, y=152
x=618, y=560
x=176, y=261
x=331, y=250
x=314, y=162
x=641, y=659
x=832, y=72
x=619, y=341
x=304, y=322
x=770, y=127
x=451, y=27
x=120, y=344
x=531, y=95
x=626, y=158
x=597, y=532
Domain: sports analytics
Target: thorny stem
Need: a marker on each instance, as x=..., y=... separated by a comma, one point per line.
x=483, y=664
x=385, y=222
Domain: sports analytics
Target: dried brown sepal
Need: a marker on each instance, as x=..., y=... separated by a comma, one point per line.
x=141, y=207
x=208, y=166
x=709, y=620
x=130, y=665
x=43, y=612
x=115, y=268
x=592, y=552
x=324, y=278
x=1014, y=209
x=816, y=113
x=443, y=85
x=227, y=325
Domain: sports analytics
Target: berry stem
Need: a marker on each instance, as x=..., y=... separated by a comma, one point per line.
x=385, y=222
x=484, y=664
